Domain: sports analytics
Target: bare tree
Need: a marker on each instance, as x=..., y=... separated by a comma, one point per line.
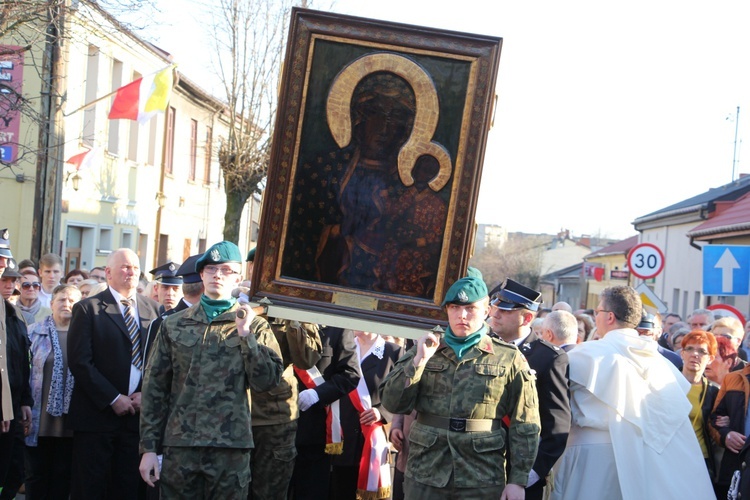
x=250, y=37
x=518, y=258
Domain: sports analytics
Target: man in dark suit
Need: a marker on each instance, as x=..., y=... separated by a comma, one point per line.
x=514, y=307
x=107, y=346
x=339, y=368
x=560, y=328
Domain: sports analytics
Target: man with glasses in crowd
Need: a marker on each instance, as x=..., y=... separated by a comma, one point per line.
x=196, y=407
x=98, y=274
x=630, y=415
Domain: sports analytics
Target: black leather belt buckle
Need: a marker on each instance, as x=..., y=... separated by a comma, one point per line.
x=458, y=424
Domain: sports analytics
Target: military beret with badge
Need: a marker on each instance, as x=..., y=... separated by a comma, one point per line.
x=219, y=253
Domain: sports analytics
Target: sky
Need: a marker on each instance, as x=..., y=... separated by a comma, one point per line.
x=607, y=111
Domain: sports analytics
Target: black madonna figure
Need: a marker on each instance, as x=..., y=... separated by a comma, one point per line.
x=351, y=206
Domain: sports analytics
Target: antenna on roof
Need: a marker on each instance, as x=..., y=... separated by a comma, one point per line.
x=734, y=152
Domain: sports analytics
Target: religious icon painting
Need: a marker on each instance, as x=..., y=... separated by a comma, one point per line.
x=375, y=166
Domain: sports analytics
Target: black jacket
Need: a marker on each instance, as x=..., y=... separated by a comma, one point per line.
x=551, y=366
x=338, y=365
x=19, y=364
x=99, y=358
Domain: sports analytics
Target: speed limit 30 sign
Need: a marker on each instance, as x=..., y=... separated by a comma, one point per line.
x=645, y=260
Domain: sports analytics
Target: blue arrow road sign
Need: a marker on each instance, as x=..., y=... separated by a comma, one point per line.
x=726, y=270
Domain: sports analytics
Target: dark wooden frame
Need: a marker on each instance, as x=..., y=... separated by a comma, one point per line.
x=319, y=43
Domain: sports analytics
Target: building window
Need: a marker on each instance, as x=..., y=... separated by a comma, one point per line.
x=105, y=240
x=134, y=132
x=127, y=239
x=152, y=142
x=209, y=151
x=113, y=142
x=169, y=153
x=90, y=95
x=193, y=148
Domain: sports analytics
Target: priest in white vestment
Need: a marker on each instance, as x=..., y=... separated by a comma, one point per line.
x=631, y=436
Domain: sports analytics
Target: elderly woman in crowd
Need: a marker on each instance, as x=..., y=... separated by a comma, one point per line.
x=726, y=361
x=29, y=303
x=48, y=445
x=75, y=277
x=85, y=286
x=698, y=350
x=676, y=333
x=730, y=328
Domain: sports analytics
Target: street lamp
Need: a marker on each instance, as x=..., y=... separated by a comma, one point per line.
x=161, y=199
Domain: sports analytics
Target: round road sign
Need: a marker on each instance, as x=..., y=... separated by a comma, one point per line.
x=727, y=310
x=645, y=260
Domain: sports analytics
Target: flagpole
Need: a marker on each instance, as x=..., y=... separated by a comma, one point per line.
x=86, y=106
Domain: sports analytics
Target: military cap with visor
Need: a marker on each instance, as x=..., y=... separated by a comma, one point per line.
x=511, y=295
x=5, y=244
x=187, y=270
x=166, y=274
x=11, y=271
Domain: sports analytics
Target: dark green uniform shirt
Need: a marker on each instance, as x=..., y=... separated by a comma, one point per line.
x=196, y=387
x=490, y=381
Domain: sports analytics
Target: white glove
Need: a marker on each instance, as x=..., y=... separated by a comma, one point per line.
x=533, y=478
x=307, y=398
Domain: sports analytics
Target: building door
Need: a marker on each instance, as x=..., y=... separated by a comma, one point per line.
x=72, y=259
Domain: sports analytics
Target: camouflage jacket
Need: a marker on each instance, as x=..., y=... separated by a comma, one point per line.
x=196, y=386
x=491, y=381
x=296, y=344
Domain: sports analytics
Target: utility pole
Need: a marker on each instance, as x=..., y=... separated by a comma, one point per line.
x=45, y=236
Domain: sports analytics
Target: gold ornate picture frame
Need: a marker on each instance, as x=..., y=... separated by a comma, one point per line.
x=377, y=154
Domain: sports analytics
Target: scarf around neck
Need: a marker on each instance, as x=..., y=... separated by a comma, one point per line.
x=29, y=313
x=215, y=307
x=61, y=385
x=461, y=345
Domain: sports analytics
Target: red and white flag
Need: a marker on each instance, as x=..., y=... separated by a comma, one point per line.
x=143, y=98
x=83, y=161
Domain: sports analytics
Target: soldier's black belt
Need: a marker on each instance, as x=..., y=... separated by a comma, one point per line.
x=459, y=424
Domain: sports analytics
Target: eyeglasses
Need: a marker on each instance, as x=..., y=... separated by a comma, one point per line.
x=690, y=350
x=28, y=285
x=597, y=311
x=224, y=271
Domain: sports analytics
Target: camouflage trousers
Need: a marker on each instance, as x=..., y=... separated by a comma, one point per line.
x=205, y=473
x=418, y=491
x=272, y=460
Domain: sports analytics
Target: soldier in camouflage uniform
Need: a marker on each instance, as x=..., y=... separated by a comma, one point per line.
x=462, y=386
x=275, y=412
x=195, y=403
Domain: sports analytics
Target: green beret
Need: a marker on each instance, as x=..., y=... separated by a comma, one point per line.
x=466, y=291
x=224, y=251
x=473, y=272
x=250, y=255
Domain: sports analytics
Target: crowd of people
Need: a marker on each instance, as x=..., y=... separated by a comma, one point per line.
x=115, y=386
